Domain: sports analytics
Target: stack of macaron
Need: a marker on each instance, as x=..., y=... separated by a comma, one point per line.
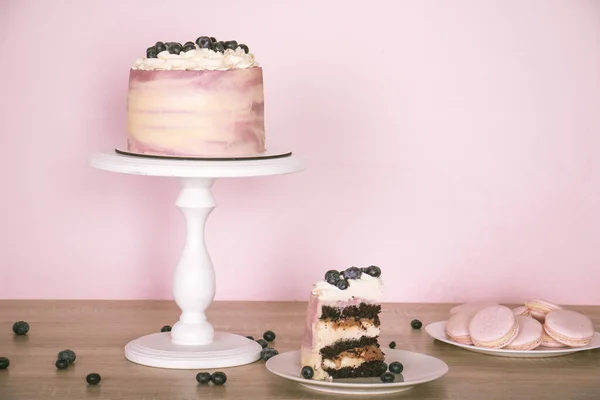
x=538, y=323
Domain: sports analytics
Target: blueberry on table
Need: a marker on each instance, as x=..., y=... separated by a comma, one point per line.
x=67, y=355
x=189, y=46
x=20, y=327
x=204, y=42
x=160, y=47
x=387, y=377
x=61, y=364
x=218, y=378
x=332, y=276
x=244, y=47
x=307, y=372
x=396, y=367
x=4, y=362
x=267, y=353
x=166, y=328
x=93, y=378
x=231, y=44
x=269, y=336
x=416, y=324
x=352, y=273
x=203, y=377
x=151, y=52
x=218, y=47
x=392, y=345
x=263, y=343
x=373, y=271
x=342, y=284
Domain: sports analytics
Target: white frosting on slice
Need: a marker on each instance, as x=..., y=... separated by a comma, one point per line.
x=366, y=288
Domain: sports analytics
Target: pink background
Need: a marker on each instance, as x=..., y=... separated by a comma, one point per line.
x=453, y=143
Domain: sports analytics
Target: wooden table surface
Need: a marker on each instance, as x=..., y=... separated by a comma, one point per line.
x=98, y=330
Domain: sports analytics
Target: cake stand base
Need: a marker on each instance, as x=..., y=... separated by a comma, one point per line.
x=226, y=350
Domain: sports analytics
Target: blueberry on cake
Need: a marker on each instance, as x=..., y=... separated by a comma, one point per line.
x=342, y=325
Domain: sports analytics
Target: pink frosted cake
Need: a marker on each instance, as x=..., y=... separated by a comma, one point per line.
x=197, y=99
x=342, y=325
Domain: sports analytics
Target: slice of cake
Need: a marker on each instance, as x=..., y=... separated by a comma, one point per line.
x=342, y=325
x=198, y=99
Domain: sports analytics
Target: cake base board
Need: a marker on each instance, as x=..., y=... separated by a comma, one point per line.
x=226, y=350
x=268, y=154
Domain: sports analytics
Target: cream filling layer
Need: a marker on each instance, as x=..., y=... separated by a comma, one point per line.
x=326, y=334
x=344, y=362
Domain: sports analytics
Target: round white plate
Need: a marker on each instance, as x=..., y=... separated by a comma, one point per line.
x=418, y=368
x=436, y=331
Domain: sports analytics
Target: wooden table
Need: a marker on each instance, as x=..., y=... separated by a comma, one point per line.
x=98, y=330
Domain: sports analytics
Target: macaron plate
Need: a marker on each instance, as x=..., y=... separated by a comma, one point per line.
x=437, y=331
x=418, y=369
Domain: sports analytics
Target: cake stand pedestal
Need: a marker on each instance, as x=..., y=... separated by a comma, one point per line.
x=193, y=342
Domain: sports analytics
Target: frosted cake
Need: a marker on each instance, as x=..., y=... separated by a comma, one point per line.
x=342, y=325
x=202, y=98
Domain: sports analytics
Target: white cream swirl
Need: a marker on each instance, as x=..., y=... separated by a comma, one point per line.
x=366, y=288
x=197, y=60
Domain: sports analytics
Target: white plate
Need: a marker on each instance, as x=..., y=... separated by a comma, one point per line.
x=418, y=368
x=436, y=331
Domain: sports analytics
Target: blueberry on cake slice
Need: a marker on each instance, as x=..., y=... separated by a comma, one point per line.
x=342, y=325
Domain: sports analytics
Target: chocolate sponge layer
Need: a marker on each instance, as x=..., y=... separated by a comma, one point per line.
x=344, y=345
x=365, y=370
x=363, y=310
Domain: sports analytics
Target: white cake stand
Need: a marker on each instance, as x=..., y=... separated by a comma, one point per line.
x=193, y=343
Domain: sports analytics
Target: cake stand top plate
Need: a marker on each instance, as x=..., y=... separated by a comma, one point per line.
x=111, y=161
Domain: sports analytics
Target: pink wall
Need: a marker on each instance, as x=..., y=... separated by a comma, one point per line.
x=454, y=143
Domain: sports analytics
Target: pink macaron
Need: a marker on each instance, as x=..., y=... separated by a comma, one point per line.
x=547, y=341
x=539, y=308
x=522, y=311
x=472, y=307
x=493, y=327
x=457, y=327
x=569, y=327
x=530, y=334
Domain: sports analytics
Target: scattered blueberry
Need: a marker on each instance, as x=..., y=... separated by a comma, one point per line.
x=159, y=47
x=267, y=353
x=381, y=368
x=189, y=46
x=387, y=377
x=244, y=47
x=151, y=52
x=203, y=377
x=67, y=355
x=392, y=345
x=20, y=327
x=218, y=378
x=342, y=284
x=307, y=372
x=4, y=362
x=166, y=328
x=93, y=378
x=396, y=367
x=212, y=39
x=372, y=270
x=332, y=276
x=174, y=47
x=250, y=337
x=217, y=46
x=61, y=364
x=263, y=343
x=416, y=324
x=269, y=336
x=204, y=42
x=352, y=273
x=231, y=44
